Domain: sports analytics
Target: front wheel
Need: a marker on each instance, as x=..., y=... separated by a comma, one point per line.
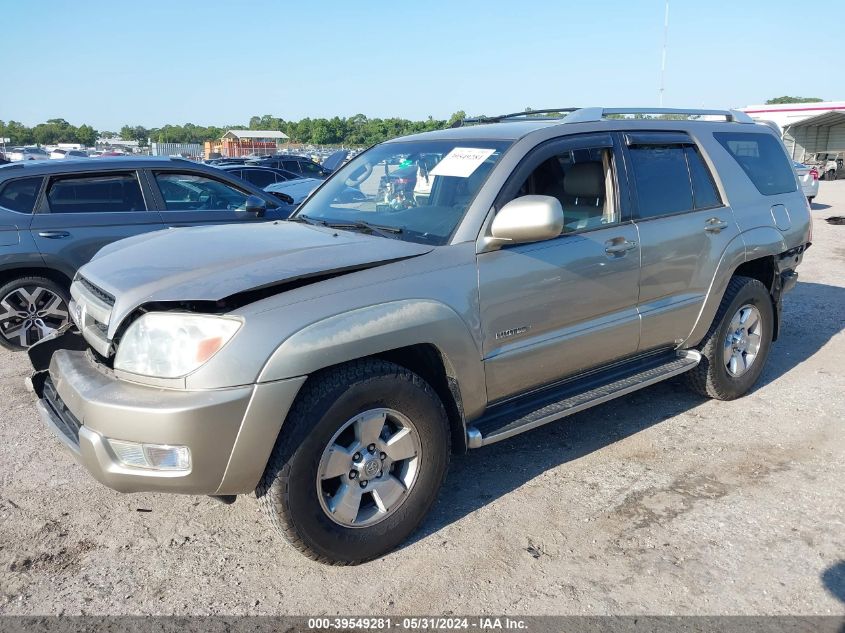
x=358, y=463
x=30, y=309
x=735, y=348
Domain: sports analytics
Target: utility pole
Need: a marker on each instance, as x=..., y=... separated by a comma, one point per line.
x=663, y=57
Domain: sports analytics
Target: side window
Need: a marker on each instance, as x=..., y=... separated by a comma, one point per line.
x=762, y=159
x=291, y=165
x=662, y=180
x=703, y=188
x=259, y=177
x=95, y=193
x=193, y=192
x=19, y=195
x=582, y=180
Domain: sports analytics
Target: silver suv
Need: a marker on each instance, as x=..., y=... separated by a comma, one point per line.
x=489, y=279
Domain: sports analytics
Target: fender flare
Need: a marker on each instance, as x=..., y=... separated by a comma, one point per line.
x=765, y=240
x=381, y=328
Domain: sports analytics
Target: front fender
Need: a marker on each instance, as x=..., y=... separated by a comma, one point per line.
x=381, y=328
x=764, y=241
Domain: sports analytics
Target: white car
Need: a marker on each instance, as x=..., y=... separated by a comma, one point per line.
x=28, y=153
x=298, y=189
x=59, y=153
x=809, y=179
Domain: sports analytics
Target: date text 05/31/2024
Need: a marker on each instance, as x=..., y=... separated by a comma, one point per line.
x=418, y=624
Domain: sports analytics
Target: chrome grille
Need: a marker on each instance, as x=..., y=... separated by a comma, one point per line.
x=101, y=294
x=91, y=311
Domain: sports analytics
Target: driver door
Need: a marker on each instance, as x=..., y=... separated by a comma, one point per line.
x=191, y=198
x=553, y=309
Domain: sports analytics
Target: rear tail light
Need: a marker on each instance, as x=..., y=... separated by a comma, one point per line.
x=814, y=173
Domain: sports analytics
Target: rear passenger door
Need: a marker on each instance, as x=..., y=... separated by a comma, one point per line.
x=17, y=203
x=191, y=198
x=78, y=214
x=684, y=229
x=559, y=307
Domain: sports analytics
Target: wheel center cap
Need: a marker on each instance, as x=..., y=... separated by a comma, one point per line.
x=371, y=467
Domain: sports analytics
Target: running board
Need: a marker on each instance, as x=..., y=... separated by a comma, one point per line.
x=529, y=412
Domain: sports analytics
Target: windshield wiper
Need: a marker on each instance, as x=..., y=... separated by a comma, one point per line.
x=360, y=225
x=385, y=231
x=307, y=220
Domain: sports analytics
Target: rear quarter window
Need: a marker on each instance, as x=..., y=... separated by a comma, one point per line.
x=20, y=195
x=762, y=159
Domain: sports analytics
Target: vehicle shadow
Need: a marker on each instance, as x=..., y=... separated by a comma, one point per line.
x=833, y=579
x=818, y=206
x=812, y=315
x=482, y=476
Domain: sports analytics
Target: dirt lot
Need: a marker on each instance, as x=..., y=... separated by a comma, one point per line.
x=659, y=503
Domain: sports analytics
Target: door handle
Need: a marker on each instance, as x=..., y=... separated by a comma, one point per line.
x=613, y=247
x=54, y=235
x=714, y=225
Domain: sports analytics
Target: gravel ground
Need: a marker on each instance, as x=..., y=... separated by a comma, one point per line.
x=657, y=503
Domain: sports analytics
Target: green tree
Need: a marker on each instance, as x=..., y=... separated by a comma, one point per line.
x=86, y=135
x=778, y=100
x=457, y=116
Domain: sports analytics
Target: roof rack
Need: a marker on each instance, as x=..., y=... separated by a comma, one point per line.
x=585, y=115
x=527, y=114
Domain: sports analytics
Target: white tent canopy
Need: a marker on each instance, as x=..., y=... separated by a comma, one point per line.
x=818, y=134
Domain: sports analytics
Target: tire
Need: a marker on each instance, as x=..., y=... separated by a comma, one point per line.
x=713, y=377
x=810, y=199
x=296, y=489
x=16, y=313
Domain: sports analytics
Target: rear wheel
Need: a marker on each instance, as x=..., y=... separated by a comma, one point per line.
x=30, y=309
x=358, y=463
x=735, y=348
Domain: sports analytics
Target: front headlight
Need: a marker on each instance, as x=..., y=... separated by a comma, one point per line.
x=172, y=344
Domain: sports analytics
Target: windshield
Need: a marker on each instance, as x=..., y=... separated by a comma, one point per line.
x=418, y=190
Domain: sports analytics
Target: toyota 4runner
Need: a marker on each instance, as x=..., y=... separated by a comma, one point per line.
x=331, y=363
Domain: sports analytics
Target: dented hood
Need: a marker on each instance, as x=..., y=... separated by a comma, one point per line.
x=212, y=263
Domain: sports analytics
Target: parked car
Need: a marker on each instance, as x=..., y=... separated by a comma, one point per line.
x=809, y=179
x=333, y=362
x=259, y=176
x=59, y=153
x=225, y=161
x=298, y=189
x=28, y=153
x=55, y=215
x=303, y=165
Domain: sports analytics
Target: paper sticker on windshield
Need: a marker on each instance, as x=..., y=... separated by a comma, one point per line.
x=461, y=162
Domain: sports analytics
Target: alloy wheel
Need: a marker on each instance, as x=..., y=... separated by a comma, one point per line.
x=368, y=468
x=29, y=313
x=743, y=339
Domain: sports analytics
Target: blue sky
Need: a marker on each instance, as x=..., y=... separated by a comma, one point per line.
x=112, y=62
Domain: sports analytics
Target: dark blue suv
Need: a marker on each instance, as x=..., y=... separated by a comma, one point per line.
x=55, y=215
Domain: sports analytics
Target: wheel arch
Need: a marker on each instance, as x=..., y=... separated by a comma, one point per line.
x=751, y=254
x=425, y=336
x=56, y=276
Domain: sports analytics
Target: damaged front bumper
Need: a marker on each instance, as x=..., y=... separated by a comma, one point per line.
x=227, y=433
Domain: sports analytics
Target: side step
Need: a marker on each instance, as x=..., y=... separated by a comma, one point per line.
x=528, y=412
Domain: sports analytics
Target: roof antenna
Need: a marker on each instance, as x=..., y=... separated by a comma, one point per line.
x=663, y=58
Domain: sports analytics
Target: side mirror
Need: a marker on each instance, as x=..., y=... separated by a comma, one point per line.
x=255, y=205
x=528, y=219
